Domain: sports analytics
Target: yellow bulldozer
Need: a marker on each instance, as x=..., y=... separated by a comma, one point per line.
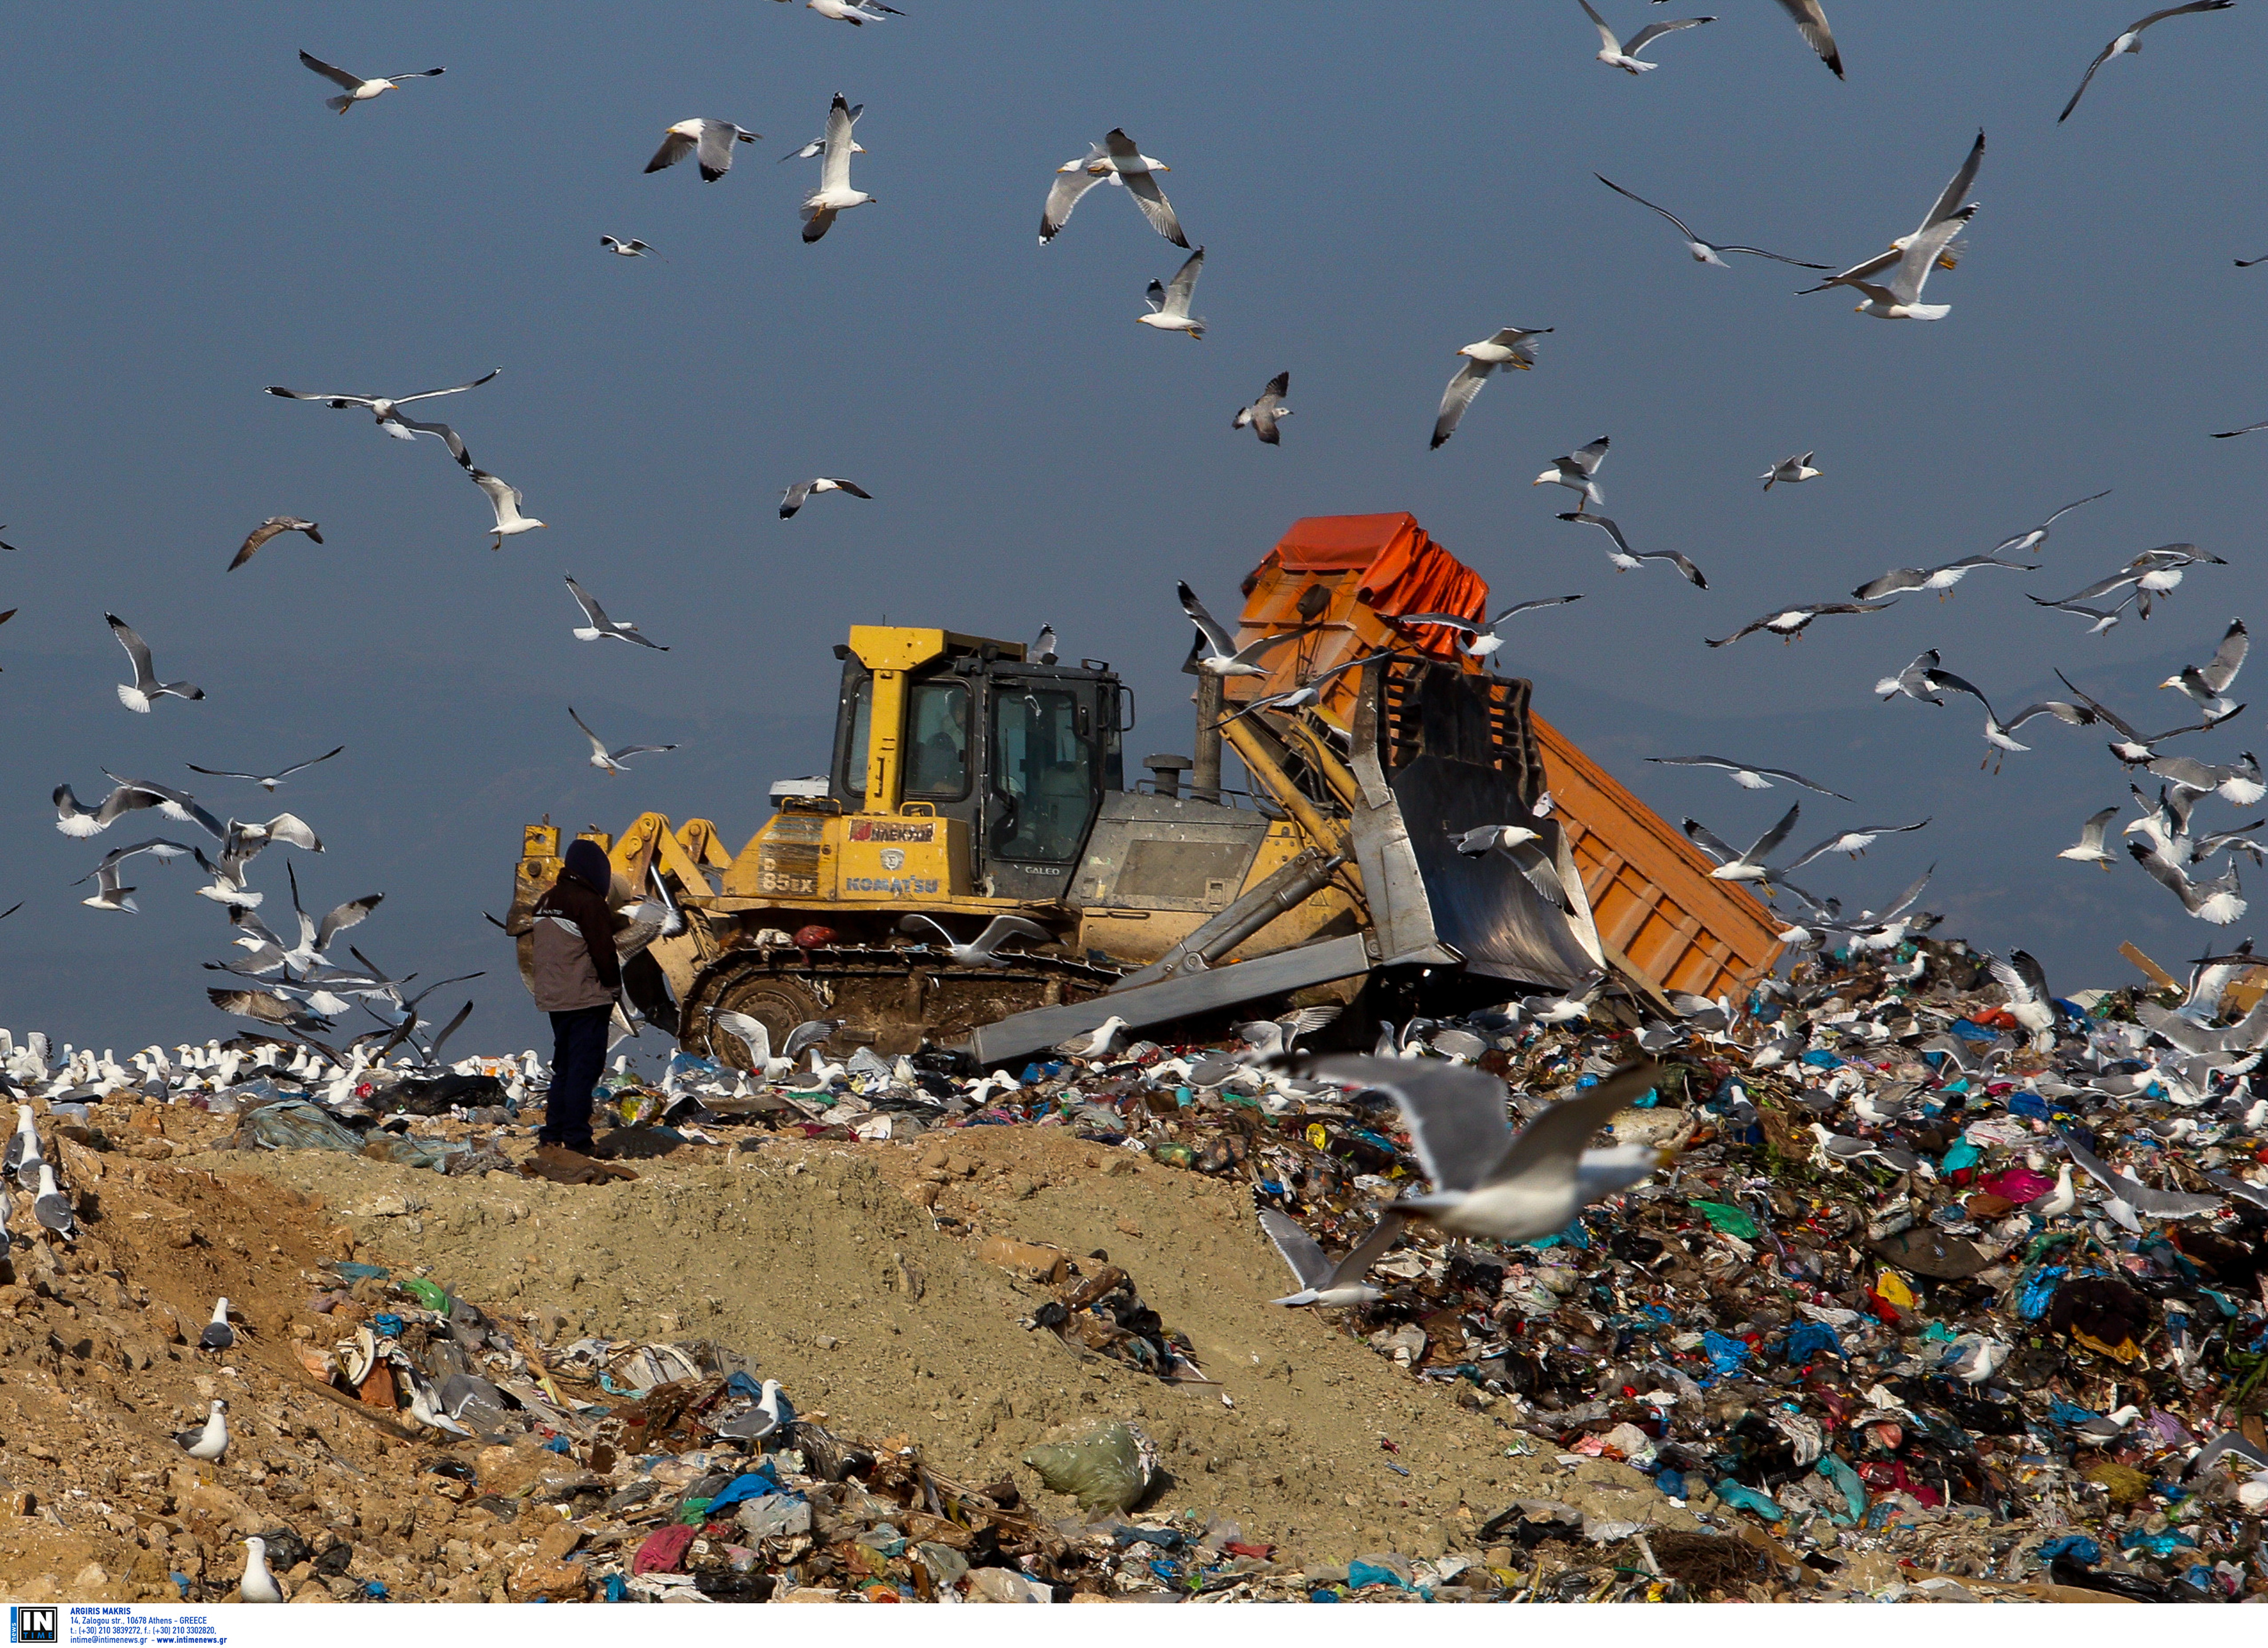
x=971, y=779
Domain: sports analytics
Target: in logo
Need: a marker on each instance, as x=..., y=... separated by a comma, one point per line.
x=33, y=1625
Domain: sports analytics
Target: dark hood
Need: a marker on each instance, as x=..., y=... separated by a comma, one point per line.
x=586, y=861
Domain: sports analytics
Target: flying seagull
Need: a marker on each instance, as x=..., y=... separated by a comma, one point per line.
x=792, y=499
x=1790, y=621
x=1477, y=637
x=1901, y=299
x=108, y=894
x=1262, y=416
x=1169, y=305
x=2218, y=901
x=1487, y=1182
x=1513, y=346
x=1811, y=19
x=713, y=138
x=1702, y=251
x=1998, y=733
x=2089, y=849
x=855, y=13
x=2232, y=434
x=608, y=761
x=145, y=687
x=1215, y=650
x=1946, y=207
x=266, y=781
x=2030, y=540
x=1312, y=688
x=2206, y=685
x=1118, y=161
x=1790, y=469
x=1323, y=1281
x=1577, y=471
x=1941, y=579
x=834, y=195
x=624, y=248
x=361, y=91
x=983, y=950
x=1524, y=847
x=1747, y=777
x=1742, y=866
x=1913, y=680
x=1616, y=54
x=1854, y=841
x=129, y=796
x=2103, y=617
x=1629, y=560
x=2131, y=41
x=387, y=410
x=598, y=626
x=505, y=500
x=269, y=528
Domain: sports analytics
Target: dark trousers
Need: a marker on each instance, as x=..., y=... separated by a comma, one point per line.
x=578, y=1058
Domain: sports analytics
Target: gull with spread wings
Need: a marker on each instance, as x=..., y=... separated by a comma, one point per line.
x=1513, y=346
x=387, y=410
x=1626, y=559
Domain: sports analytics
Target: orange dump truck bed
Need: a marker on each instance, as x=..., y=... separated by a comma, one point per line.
x=1344, y=579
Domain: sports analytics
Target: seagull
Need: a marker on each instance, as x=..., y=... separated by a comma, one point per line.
x=1791, y=470
x=241, y=845
x=1913, y=680
x=52, y=1208
x=2206, y=685
x=834, y=193
x=210, y=1440
x=2131, y=41
x=2218, y=901
x=1901, y=299
x=2029, y=1003
x=855, y=13
x=792, y=499
x=1169, y=305
x=109, y=894
x=2132, y=1194
x=2027, y=541
x=1972, y=1358
x=1947, y=208
x=2239, y=781
x=624, y=248
x=1267, y=1039
x=1119, y=161
x=608, y=761
x=1216, y=650
x=772, y=1411
x=1523, y=846
x=258, y=1584
x=1487, y=1181
x=599, y=627
x=504, y=499
x=1096, y=1045
x=218, y=1335
x=24, y=1159
x=357, y=89
x=1260, y=417
x=1043, y=645
x=1854, y=841
x=1790, y=621
x=1513, y=346
x=269, y=528
x=1703, y=251
x=315, y=937
x=387, y=410
x=266, y=1008
x=1323, y=1281
x=1310, y=690
x=818, y=145
x=266, y=781
x=1997, y=732
x=2248, y=428
x=984, y=951
x=2090, y=849
x=2103, y=618
x=78, y=821
x=1811, y=19
x=1939, y=578
x=752, y=1034
x=1577, y=471
x=714, y=139
x=1478, y=638
x=1747, y=777
x=1742, y=866
x=1616, y=54
x=1626, y=559
x=145, y=687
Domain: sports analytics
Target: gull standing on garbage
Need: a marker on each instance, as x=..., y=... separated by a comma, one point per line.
x=1262, y=416
x=770, y=1412
x=258, y=1583
x=269, y=528
x=608, y=761
x=1325, y=1281
x=1790, y=470
x=792, y=498
x=387, y=410
x=835, y=195
x=1513, y=346
x=712, y=138
x=1097, y=1044
x=1169, y=305
x=266, y=781
x=504, y=499
x=1616, y=54
x=1626, y=559
x=1115, y=160
x=1578, y=471
x=358, y=90
x=1703, y=251
x=1747, y=777
x=145, y=688
x=2129, y=42
x=597, y=626
x=1488, y=1182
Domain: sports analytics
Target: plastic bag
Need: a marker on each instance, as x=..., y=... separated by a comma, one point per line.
x=1107, y=1471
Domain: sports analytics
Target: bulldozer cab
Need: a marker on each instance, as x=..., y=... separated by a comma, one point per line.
x=1019, y=749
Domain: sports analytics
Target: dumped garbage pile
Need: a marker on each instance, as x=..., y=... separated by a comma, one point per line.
x=1950, y=1289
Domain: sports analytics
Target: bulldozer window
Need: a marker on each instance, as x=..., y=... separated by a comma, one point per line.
x=936, y=740
x=1046, y=770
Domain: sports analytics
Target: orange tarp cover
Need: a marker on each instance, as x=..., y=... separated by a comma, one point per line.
x=1402, y=570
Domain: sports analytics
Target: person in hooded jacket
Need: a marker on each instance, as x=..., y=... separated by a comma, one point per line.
x=575, y=977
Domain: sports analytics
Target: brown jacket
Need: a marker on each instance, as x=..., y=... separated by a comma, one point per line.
x=574, y=964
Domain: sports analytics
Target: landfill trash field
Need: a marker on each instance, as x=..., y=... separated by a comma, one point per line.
x=885, y=1334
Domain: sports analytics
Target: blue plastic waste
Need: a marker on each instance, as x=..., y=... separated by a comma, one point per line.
x=1322, y=1596
x=2032, y=1299
x=740, y=1385
x=1671, y=1483
x=1726, y=1352
x=2076, y=1546
x=616, y=1590
x=1836, y=1470
x=1963, y=1154
x=1361, y=1573
x=354, y=1272
x=1808, y=1341
x=557, y=1445
x=388, y=1325
x=1745, y=1498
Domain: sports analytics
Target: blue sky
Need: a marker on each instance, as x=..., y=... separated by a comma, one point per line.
x=1375, y=186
